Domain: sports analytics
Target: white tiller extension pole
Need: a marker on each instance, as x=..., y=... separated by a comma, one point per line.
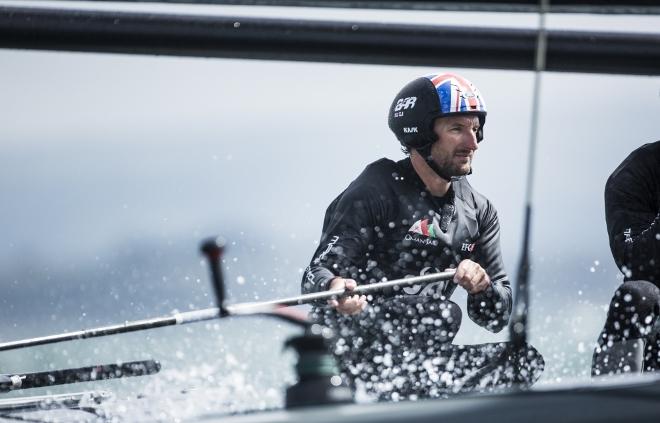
x=214, y=312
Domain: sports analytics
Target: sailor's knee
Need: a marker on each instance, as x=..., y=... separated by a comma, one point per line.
x=633, y=312
x=533, y=361
x=451, y=310
x=639, y=297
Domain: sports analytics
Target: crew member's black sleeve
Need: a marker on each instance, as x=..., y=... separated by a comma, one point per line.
x=347, y=239
x=491, y=308
x=632, y=212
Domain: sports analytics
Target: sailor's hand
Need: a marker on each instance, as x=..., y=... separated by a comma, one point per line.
x=351, y=305
x=472, y=277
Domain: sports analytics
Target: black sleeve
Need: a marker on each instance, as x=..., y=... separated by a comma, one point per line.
x=632, y=212
x=491, y=308
x=347, y=238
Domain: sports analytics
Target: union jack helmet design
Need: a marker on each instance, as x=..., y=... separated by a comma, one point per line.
x=421, y=101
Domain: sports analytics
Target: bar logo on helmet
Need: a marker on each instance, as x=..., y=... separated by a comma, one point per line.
x=405, y=103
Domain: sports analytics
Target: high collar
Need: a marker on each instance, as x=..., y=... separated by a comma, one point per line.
x=408, y=171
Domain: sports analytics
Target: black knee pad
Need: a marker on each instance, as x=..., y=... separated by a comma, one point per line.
x=639, y=297
x=633, y=310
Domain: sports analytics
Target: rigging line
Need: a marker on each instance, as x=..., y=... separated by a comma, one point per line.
x=541, y=52
x=519, y=321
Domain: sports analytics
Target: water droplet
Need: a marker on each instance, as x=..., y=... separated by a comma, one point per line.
x=240, y=280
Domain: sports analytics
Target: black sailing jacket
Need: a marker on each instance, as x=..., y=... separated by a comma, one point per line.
x=387, y=225
x=632, y=212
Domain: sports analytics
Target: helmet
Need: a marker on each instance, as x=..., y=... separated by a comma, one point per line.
x=419, y=103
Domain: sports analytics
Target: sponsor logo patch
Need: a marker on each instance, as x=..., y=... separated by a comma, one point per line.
x=325, y=252
x=423, y=227
x=428, y=289
x=405, y=103
x=467, y=247
x=628, y=234
x=423, y=232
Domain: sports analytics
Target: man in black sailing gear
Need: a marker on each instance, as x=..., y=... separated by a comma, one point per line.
x=630, y=340
x=408, y=218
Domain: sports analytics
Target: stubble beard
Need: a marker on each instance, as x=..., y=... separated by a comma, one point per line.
x=447, y=169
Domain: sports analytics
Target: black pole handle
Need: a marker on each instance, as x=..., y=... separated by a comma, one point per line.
x=83, y=374
x=212, y=249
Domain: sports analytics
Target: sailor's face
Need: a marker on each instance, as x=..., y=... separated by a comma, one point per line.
x=457, y=142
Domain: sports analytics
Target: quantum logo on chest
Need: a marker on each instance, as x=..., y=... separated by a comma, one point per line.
x=423, y=232
x=421, y=240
